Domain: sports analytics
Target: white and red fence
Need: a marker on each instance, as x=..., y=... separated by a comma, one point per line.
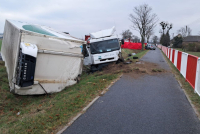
x=188, y=65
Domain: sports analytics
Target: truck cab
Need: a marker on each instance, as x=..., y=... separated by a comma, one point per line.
x=102, y=48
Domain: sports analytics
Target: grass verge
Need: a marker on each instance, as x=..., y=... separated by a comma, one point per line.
x=192, y=53
x=0, y=44
x=45, y=113
x=48, y=113
x=194, y=98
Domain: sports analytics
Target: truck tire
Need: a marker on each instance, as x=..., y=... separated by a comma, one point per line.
x=93, y=68
x=120, y=57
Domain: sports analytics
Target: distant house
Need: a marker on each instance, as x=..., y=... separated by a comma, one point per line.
x=191, y=39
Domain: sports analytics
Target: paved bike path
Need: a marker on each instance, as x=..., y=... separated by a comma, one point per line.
x=151, y=104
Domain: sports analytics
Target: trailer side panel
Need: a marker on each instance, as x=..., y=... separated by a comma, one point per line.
x=10, y=49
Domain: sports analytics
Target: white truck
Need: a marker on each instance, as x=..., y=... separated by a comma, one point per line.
x=38, y=59
x=102, y=48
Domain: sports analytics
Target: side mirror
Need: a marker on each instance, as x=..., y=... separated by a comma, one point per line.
x=84, y=51
x=122, y=41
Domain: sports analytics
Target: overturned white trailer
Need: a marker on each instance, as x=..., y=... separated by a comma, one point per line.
x=39, y=59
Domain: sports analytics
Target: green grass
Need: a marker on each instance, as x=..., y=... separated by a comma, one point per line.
x=192, y=53
x=48, y=113
x=45, y=113
x=0, y=44
x=195, y=99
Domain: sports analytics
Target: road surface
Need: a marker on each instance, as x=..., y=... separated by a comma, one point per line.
x=152, y=104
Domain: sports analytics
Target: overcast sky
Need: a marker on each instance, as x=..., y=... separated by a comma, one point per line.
x=80, y=17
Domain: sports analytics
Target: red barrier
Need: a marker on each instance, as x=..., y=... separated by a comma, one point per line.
x=169, y=53
x=131, y=45
x=179, y=60
x=191, y=69
x=163, y=49
x=173, y=53
x=166, y=51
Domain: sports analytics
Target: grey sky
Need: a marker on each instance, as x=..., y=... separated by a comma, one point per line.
x=80, y=17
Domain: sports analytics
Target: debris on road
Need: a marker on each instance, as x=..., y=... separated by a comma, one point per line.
x=135, y=57
x=135, y=69
x=18, y=113
x=133, y=54
x=129, y=55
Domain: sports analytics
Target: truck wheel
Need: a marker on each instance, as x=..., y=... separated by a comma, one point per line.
x=93, y=68
x=121, y=58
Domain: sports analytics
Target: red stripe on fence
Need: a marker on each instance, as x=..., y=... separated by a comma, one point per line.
x=164, y=50
x=169, y=53
x=179, y=60
x=173, y=53
x=191, y=69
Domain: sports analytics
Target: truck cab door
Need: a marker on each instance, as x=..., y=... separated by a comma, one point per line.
x=87, y=57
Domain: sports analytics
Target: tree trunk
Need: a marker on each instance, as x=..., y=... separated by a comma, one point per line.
x=142, y=41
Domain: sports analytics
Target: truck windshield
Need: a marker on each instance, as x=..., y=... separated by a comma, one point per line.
x=104, y=46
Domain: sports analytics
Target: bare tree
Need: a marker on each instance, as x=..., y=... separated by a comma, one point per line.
x=165, y=37
x=135, y=38
x=149, y=34
x=155, y=39
x=143, y=19
x=165, y=27
x=169, y=27
x=127, y=34
x=185, y=31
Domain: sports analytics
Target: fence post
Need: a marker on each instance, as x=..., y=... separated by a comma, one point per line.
x=171, y=54
x=179, y=57
x=184, y=64
x=175, y=58
x=191, y=70
x=167, y=52
x=197, y=82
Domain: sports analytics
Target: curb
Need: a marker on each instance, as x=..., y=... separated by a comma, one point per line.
x=195, y=110
x=89, y=105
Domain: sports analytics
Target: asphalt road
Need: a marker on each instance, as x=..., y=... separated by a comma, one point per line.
x=152, y=104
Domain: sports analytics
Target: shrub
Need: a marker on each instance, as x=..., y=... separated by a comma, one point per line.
x=184, y=46
x=198, y=47
x=191, y=47
x=177, y=42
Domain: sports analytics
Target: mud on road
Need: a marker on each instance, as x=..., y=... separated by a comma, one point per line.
x=134, y=69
